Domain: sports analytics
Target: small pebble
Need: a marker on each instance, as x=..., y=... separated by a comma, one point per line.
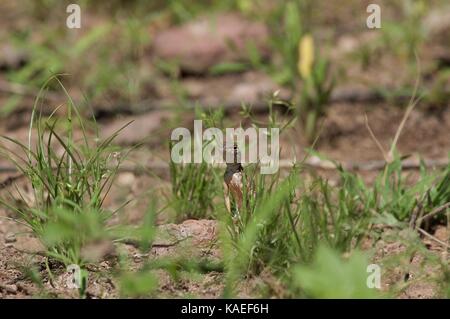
x=12, y=289
x=10, y=238
x=126, y=179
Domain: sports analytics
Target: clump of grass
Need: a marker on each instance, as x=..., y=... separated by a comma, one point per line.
x=70, y=180
x=286, y=220
x=394, y=194
x=193, y=190
x=195, y=185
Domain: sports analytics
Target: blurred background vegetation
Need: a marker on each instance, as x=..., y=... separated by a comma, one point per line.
x=111, y=64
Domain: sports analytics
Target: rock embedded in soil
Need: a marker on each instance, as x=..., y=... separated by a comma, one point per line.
x=202, y=231
x=419, y=290
x=126, y=179
x=29, y=245
x=10, y=238
x=233, y=89
x=12, y=289
x=437, y=23
x=11, y=58
x=96, y=251
x=190, y=239
x=442, y=233
x=198, y=45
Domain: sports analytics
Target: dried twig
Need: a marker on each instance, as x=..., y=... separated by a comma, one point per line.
x=433, y=238
x=136, y=243
x=374, y=138
x=435, y=211
x=418, y=210
x=312, y=162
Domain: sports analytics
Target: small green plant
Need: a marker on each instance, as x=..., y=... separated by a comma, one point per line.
x=394, y=194
x=441, y=195
x=315, y=96
x=406, y=36
x=438, y=94
x=328, y=276
x=294, y=24
x=316, y=88
x=143, y=281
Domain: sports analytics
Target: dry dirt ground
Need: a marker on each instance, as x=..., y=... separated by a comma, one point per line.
x=344, y=138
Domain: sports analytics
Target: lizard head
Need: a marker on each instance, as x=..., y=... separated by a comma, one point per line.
x=232, y=155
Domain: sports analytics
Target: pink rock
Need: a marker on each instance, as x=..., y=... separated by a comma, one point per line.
x=200, y=44
x=142, y=127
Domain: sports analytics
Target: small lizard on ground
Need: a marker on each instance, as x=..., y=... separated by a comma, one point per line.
x=233, y=178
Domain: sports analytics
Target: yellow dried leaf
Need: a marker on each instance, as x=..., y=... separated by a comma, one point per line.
x=305, y=56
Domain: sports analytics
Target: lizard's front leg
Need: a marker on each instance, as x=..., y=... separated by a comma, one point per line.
x=226, y=195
